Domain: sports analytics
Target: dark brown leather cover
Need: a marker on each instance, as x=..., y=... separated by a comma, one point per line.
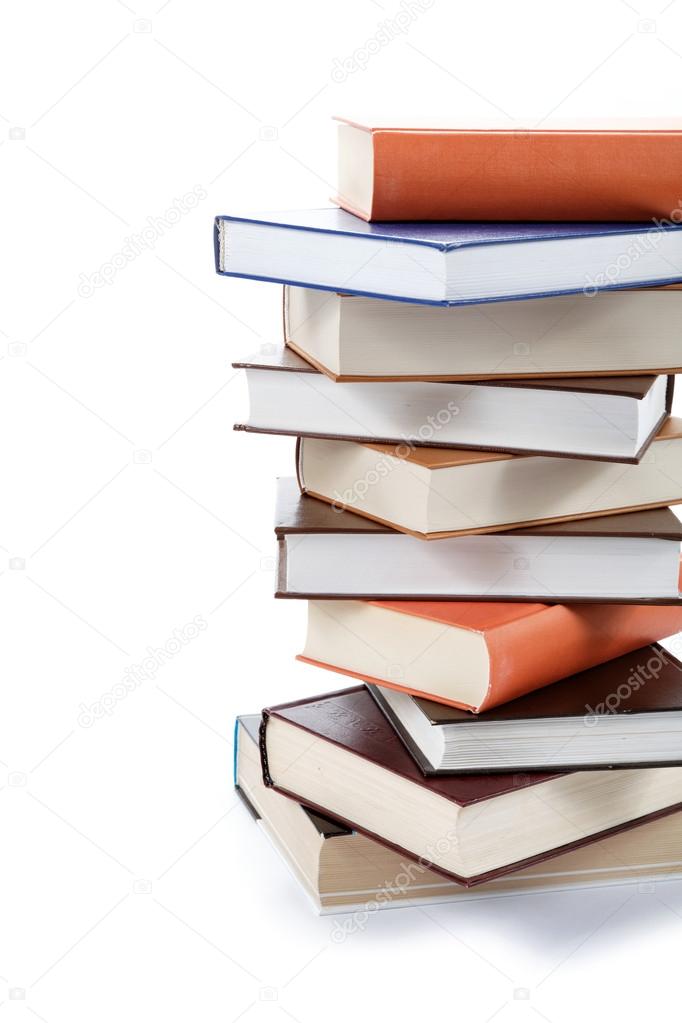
x=286, y=360
x=660, y=523
x=298, y=513
x=351, y=719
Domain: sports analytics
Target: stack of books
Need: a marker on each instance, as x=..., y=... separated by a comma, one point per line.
x=478, y=366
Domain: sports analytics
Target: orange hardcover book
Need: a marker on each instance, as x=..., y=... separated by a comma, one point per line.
x=476, y=656
x=404, y=171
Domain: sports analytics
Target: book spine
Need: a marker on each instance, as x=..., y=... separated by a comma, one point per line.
x=263, y=749
x=299, y=465
x=281, y=588
x=216, y=243
x=235, y=752
x=670, y=391
x=285, y=313
x=564, y=639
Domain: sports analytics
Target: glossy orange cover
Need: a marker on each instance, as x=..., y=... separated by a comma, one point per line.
x=537, y=174
x=533, y=645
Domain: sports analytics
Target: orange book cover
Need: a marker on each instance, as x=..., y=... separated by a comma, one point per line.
x=628, y=171
x=533, y=645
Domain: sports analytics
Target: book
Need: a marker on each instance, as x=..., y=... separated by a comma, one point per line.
x=623, y=713
x=338, y=755
x=476, y=656
x=446, y=263
x=402, y=170
x=323, y=553
x=609, y=418
x=610, y=333
x=341, y=870
x=438, y=492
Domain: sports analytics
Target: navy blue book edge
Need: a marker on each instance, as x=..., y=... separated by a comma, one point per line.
x=464, y=260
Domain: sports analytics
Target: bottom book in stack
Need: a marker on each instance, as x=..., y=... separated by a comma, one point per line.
x=343, y=871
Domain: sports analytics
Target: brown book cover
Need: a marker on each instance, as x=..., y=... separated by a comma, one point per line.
x=284, y=359
x=297, y=513
x=618, y=171
x=651, y=677
x=351, y=719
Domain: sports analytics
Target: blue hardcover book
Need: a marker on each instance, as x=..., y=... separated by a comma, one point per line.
x=446, y=263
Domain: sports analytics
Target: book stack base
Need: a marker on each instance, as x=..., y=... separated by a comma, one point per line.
x=343, y=871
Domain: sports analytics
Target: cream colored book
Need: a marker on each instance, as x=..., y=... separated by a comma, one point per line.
x=350, y=337
x=437, y=492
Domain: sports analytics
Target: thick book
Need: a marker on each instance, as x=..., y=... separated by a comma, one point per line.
x=438, y=492
x=605, y=418
x=624, y=713
x=476, y=656
x=407, y=170
x=349, y=337
x=341, y=870
x=339, y=756
x=323, y=553
x=445, y=263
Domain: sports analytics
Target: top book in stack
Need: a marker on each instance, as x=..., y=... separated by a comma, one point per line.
x=428, y=170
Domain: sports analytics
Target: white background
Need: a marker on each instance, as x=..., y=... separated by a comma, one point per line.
x=132, y=884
